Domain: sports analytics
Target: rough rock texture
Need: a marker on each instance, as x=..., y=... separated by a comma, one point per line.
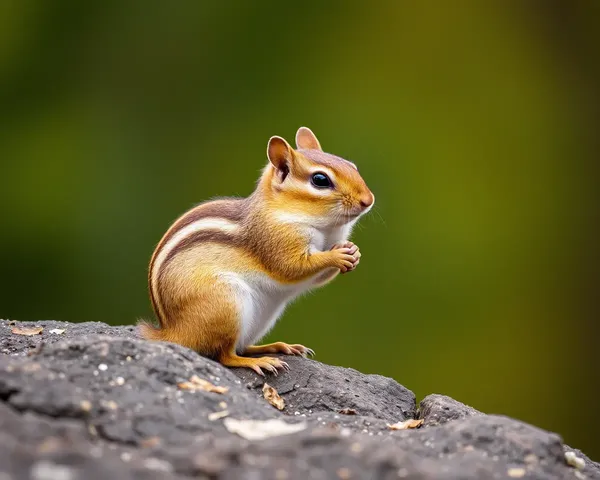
x=96, y=402
x=315, y=387
x=438, y=409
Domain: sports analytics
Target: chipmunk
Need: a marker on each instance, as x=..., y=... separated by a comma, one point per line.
x=224, y=272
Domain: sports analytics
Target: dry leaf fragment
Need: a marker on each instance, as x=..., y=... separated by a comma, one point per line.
x=187, y=386
x=411, y=423
x=58, y=331
x=217, y=415
x=261, y=429
x=27, y=330
x=196, y=383
x=150, y=442
x=273, y=397
x=348, y=411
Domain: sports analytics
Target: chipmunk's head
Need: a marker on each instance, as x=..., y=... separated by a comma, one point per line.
x=313, y=187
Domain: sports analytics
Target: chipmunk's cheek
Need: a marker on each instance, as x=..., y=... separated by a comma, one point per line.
x=348, y=202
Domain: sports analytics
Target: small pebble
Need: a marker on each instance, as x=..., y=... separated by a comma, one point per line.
x=45, y=470
x=157, y=464
x=516, y=472
x=120, y=381
x=126, y=456
x=574, y=460
x=103, y=367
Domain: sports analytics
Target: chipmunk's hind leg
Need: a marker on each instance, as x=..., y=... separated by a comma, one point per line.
x=200, y=314
x=279, y=347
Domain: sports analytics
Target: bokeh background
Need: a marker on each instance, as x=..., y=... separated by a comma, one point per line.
x=474, y=123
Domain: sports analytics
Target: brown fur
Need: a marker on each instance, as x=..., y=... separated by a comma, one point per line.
x=232, y=209
x=195, y=306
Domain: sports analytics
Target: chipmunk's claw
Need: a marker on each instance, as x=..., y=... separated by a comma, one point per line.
x=300, y=350
x=258, y=365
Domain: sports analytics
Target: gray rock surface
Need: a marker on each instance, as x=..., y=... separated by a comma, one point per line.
x=315, y=387
x=437, y=409
x=97, y=402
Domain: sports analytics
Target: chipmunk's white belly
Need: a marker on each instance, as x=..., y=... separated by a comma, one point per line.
x=261, y=299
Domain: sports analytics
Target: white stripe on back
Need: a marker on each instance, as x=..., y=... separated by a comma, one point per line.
x=209, y=223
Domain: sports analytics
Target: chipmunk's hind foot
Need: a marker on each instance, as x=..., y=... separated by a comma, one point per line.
x=270, y=364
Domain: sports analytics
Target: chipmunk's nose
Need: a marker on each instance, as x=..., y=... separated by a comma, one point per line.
x=367, y=200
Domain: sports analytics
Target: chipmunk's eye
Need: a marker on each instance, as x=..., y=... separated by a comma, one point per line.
x=320, y=180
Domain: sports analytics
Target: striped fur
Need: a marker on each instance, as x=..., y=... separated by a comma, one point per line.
x=222, y=210
x=225, y=270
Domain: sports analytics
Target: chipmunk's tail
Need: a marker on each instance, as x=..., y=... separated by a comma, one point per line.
x=149, y=331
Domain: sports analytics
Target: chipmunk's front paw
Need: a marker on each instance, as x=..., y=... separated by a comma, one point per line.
x=349, y=256
x=295, y=349
x=279, y=347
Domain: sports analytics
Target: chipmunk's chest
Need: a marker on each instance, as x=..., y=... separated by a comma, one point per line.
x=262, y=299
x=323, y=239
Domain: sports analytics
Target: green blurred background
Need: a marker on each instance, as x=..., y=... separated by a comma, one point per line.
x=474, y=123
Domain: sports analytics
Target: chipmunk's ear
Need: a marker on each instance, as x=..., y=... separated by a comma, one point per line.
x=280, y=155
x=306, y=139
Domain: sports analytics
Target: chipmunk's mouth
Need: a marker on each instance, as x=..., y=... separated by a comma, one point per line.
x=349, y=217
x=356, y=214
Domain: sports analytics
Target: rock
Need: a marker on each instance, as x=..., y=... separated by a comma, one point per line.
x=438, y=409
x=97, y=402
x=22, y=345
x=314, y=387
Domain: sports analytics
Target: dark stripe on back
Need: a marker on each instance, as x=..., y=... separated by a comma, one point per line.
x=233, y=209
x=203, y=236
